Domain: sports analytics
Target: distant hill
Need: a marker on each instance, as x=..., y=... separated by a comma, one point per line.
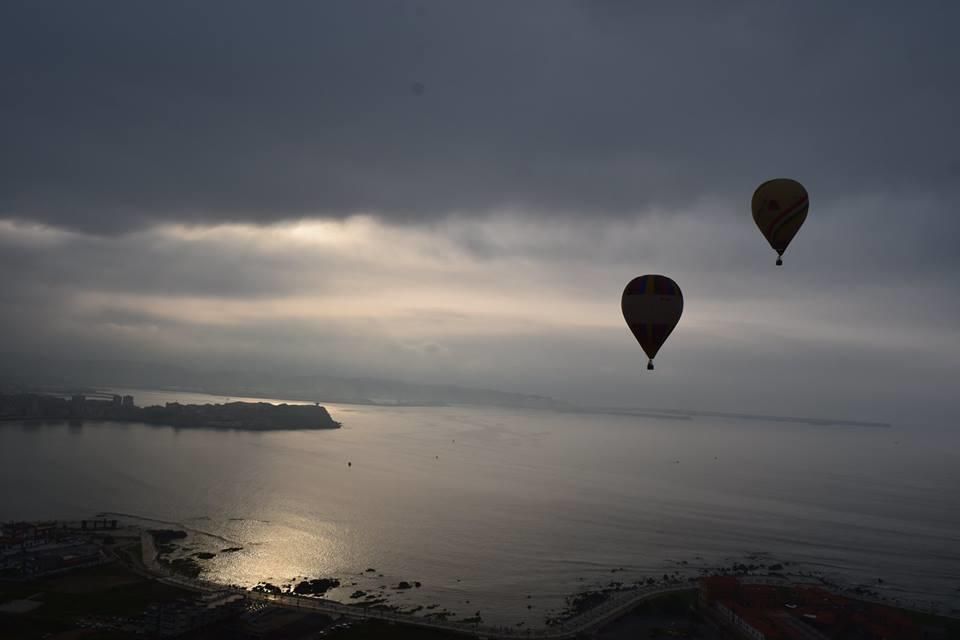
x=684, y=414
x=21, y=372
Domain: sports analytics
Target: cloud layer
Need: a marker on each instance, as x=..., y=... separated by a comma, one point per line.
x=118, y=115
x=454, y=191
x=491, y=304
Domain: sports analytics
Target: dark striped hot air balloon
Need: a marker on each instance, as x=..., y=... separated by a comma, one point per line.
x=652, y=306
x=779, y=208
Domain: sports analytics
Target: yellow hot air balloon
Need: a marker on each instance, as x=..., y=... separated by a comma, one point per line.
x=651, y=305
x=779, y=208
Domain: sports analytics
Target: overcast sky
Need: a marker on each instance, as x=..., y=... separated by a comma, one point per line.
x=458, y=192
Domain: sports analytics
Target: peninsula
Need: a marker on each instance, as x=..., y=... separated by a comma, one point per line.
x=247, y=416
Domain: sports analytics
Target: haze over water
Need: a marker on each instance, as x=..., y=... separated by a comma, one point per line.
x=490, y=505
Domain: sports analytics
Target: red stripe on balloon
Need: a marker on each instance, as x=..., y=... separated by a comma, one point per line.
x=792, y=210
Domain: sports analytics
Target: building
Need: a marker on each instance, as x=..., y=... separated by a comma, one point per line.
x=28, y=534
x=799, y=612
x=78, y=405
x=53, y=558
x=751, y=624
x=171, y=619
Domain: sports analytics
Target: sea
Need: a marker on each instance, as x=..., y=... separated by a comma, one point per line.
x=508, y=512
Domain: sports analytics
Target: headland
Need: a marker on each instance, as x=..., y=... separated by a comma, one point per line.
x=246, y=416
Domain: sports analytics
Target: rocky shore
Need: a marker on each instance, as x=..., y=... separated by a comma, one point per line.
x=370, y=589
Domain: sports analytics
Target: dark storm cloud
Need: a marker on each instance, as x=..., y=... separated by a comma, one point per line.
x=117, y=115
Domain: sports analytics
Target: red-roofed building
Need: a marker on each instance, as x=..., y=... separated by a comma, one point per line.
x=718, y=587
x=795, y=612
x=750, y=622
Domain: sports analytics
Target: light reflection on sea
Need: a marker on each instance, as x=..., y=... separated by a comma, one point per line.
x=490, y=505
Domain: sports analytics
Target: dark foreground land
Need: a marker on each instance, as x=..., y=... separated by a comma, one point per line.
x=256, y=416
x=61, y=580
x=110, y=601
x=669, y=616
x=95, y=602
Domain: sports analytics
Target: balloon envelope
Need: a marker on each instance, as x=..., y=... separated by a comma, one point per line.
x=779, y=208
x=652, y=306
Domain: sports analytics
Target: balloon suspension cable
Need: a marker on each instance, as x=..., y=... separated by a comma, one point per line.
x=650, y=365
x=779, y=260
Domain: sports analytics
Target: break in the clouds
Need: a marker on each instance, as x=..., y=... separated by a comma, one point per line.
x=457, y=192
x=117, y=115
x=493, y=303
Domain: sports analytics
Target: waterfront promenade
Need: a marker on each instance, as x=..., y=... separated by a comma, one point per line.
x=618, y=604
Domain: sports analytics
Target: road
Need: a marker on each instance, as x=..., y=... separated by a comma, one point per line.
x=585, y=623
x=588, y=622
x=617, y=605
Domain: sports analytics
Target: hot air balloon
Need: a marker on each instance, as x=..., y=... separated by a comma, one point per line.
x=779, y=208
x=652, y=306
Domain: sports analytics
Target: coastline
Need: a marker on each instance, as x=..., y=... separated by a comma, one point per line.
x=327, y=505
x=588, y=601
x=241, y=416
x=610, y=611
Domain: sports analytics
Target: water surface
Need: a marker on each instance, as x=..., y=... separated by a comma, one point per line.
x=491, y=505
